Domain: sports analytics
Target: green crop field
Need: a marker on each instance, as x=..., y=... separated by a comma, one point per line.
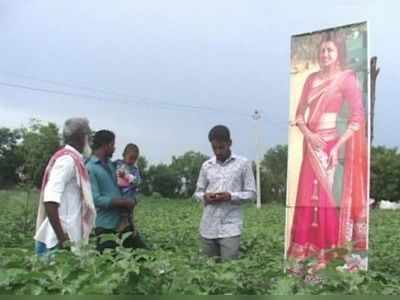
x=175, y=265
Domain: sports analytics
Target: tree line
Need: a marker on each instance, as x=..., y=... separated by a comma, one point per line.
x=24, y=153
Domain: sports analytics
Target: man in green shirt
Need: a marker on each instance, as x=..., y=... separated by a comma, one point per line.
x=107, y=196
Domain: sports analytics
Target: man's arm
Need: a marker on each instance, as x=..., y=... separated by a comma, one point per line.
x=201, y=185
x=105, y=201
x=54, y=218
x=249, y=186
x=122, y=203
x=61, y=173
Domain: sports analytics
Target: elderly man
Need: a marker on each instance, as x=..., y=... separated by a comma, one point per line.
x=66, y=209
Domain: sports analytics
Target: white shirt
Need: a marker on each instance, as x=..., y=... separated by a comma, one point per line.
x=235, y=175
x=63, y=188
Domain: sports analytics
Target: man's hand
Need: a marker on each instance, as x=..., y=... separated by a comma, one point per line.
x=123, y=203
x=225, y=196
x=131, y=205
x=213, y=198
x=62, y=239
x=54, y=218
x=209, y=198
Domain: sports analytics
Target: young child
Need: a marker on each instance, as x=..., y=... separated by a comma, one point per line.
x=128, y=177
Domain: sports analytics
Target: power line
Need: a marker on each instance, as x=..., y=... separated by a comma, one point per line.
x=136, y=99
x=127, y=98
x=132, y=98
x=160, y=105
x=165, y=106
x=149, y=101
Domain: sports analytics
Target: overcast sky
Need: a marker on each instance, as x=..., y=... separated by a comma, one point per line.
x=147, y=62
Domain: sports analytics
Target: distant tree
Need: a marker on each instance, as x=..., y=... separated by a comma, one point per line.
x=273, y=174
x=39, y=143
x=10, y=161
x=187, y=168
x=142, y=164
x=385, y=173
x=163, y=180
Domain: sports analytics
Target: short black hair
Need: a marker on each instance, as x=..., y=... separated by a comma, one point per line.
x=131, y=148
x=102, y=138
x=219, y=133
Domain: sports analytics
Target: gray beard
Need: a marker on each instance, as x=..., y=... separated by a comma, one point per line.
x=87, y=151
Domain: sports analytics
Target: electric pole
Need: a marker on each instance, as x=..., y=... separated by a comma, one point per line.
x=257, y=117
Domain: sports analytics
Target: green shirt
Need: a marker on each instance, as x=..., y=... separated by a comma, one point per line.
x=103, y=180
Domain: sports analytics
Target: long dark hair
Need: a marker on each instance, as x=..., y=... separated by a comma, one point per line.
x=340, y=42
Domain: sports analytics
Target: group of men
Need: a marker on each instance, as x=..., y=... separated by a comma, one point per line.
x=80, y=193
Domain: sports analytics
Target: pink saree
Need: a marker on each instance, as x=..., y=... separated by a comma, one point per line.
x=321, y=222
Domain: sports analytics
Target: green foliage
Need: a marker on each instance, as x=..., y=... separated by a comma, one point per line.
x=39, y=144
x=385, y=173
x=273, y=174
x=174, y=265
x=17, y=217
x=187, y=166
x=162, y=179
x=177, y=179
x=10, y=161
x=142, y=164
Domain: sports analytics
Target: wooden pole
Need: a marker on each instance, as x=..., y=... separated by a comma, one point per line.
x=373, y=75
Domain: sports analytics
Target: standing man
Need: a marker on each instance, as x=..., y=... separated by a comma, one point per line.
x=106, y=193
x=225, y=182
x=66, y=210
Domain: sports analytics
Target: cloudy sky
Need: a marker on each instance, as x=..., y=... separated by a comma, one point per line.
x=162, y=73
